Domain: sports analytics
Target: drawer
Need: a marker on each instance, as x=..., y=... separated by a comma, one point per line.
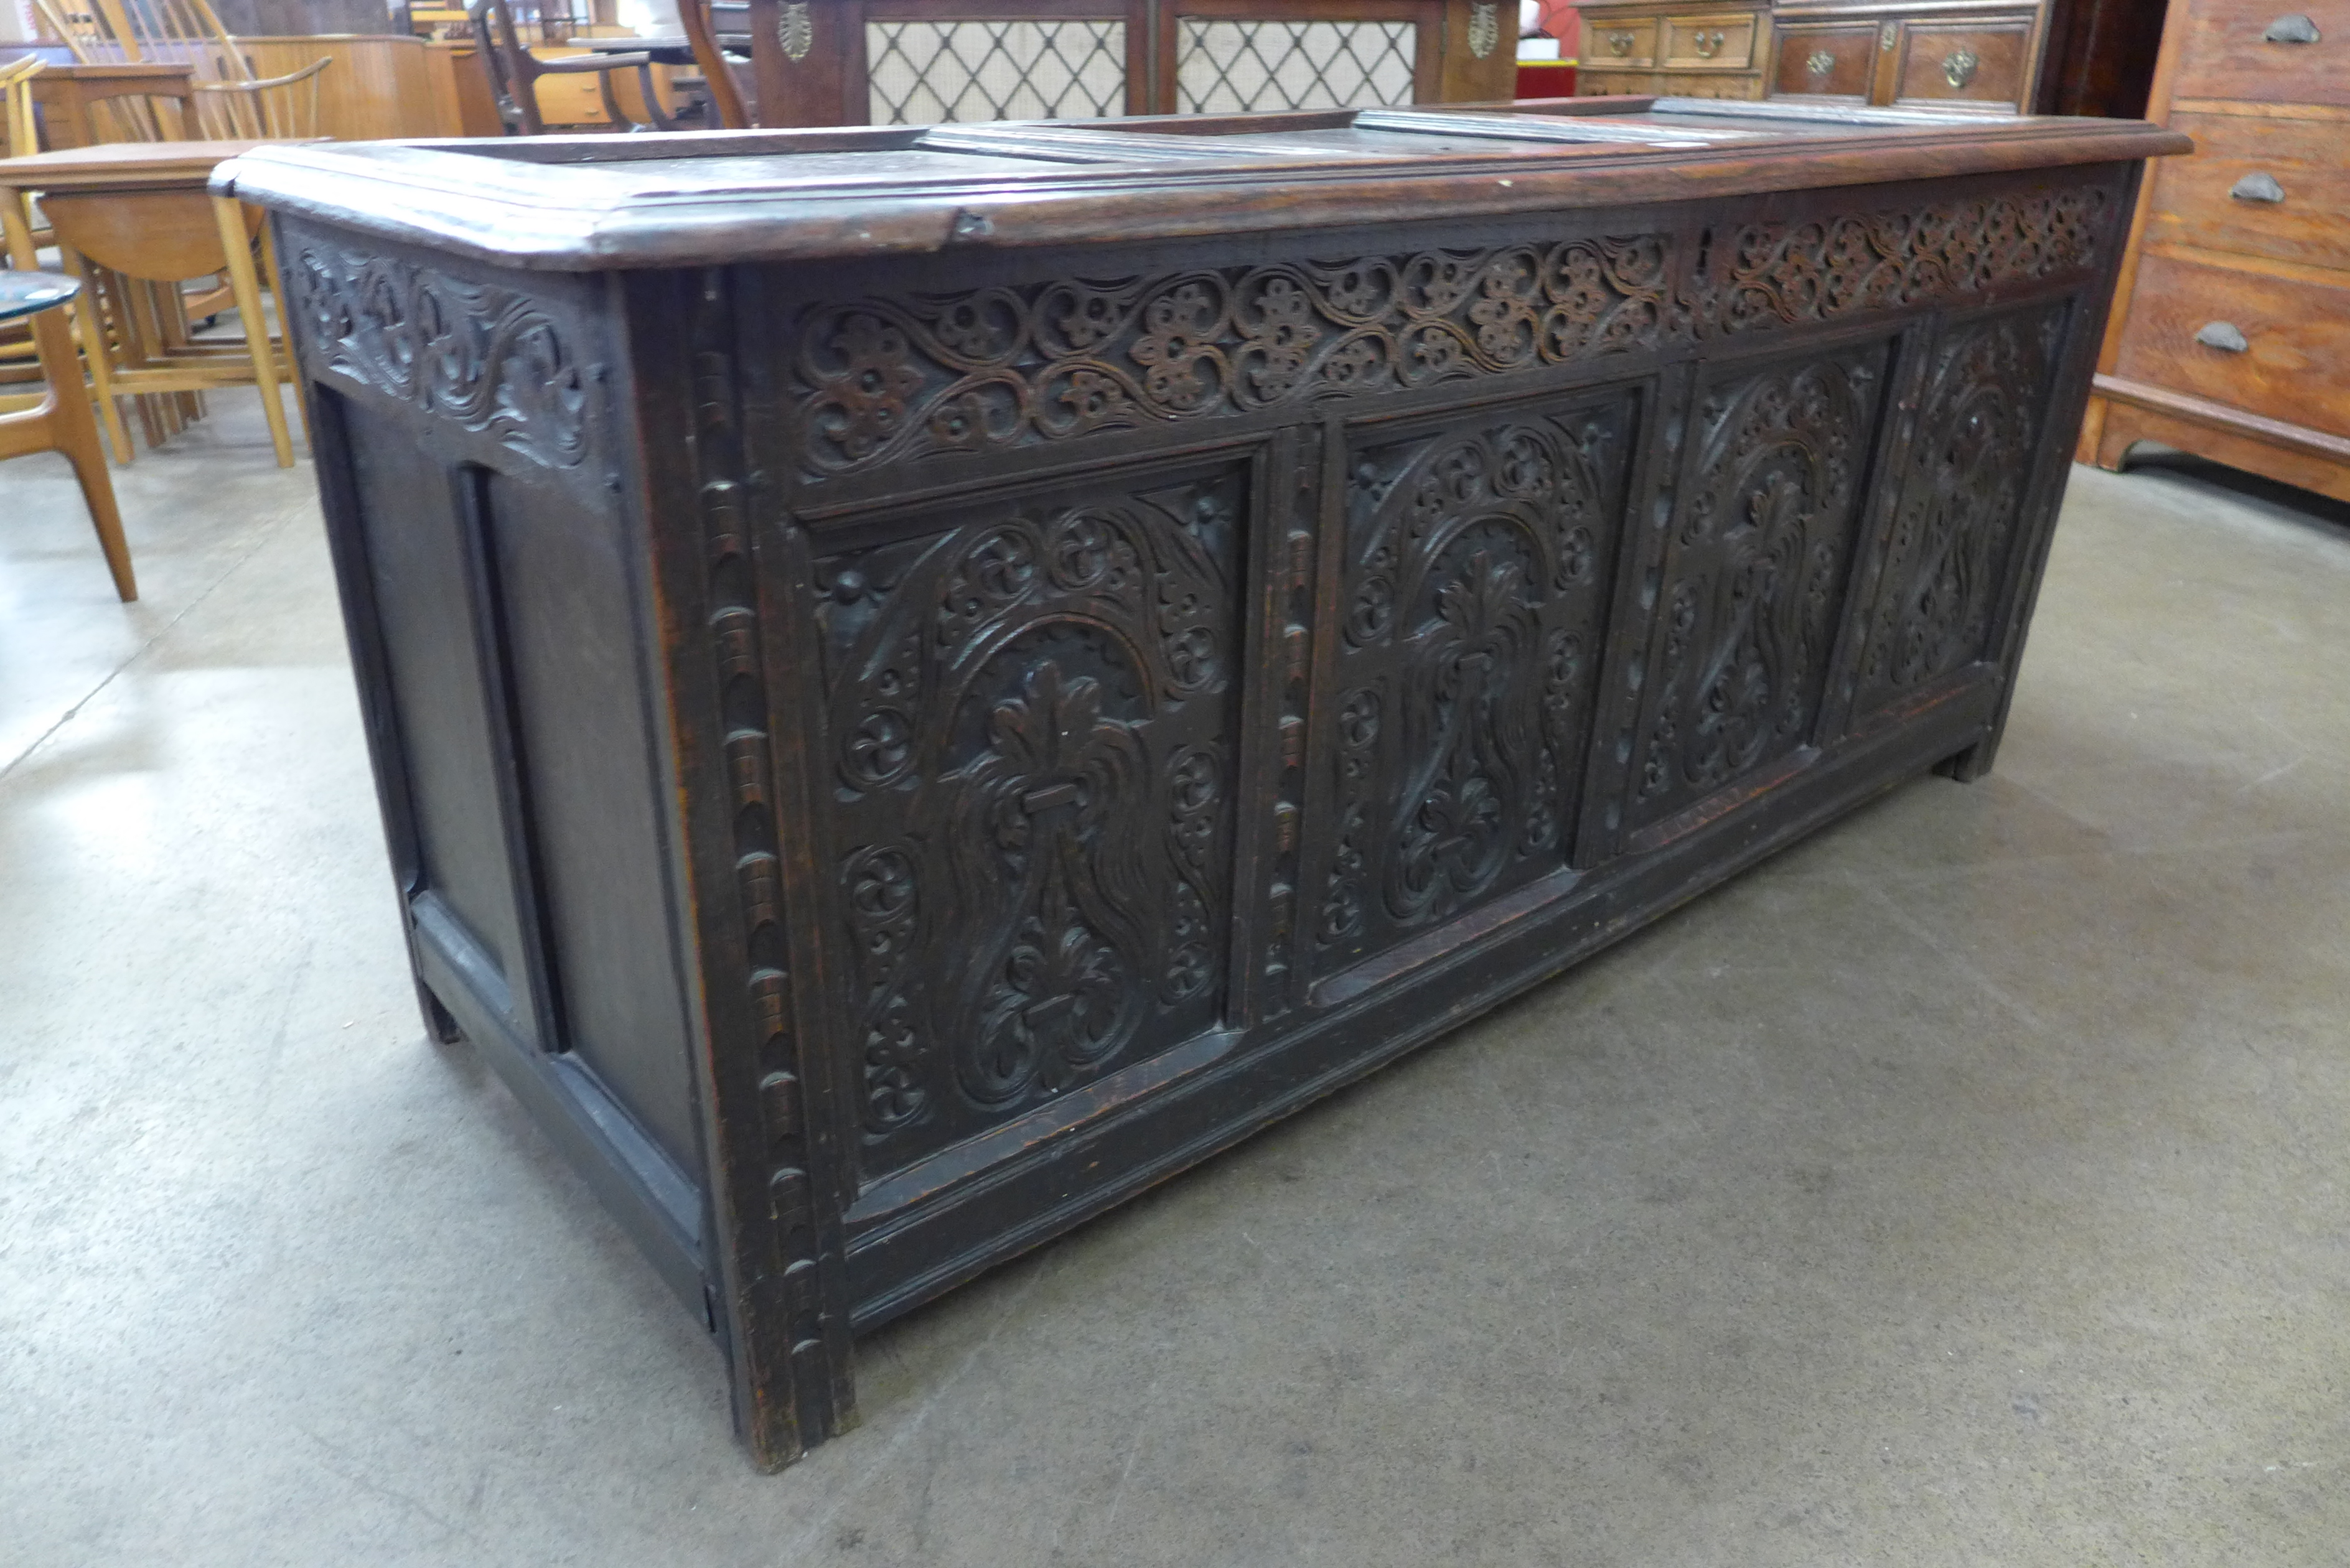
x=2225, y=51
x=2301, y=161
x=1836, y=61
x=1589, y=83
x=1631, y=45
x=2295, y=363
x=1713, y=84
x=1722, y=43
x=1953, y=63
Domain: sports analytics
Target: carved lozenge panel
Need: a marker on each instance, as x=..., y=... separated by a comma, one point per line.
x=1754, y=576
x=1032, y=737
x=1961, y=500
x=1479, y=553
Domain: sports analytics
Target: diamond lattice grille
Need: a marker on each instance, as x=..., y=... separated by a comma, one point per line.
x=1242, y=67
x=933, y=73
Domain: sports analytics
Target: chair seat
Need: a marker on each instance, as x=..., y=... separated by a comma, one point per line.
x=23, y=292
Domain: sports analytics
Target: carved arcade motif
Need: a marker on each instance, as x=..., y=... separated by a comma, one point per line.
x=1754, y=576
x=1032, y=723
x=1477, y=563
x=1960, y=499
x=491, y=361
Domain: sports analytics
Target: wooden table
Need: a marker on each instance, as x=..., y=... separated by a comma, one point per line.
x=921, y=682
x=139, y=209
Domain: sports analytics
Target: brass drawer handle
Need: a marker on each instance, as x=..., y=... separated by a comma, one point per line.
x=1819, y=63
x=2224, y=335
x=1958, y=66
x=2293, y=29
x=1708, y=44
x=1619, y=43
x=2257, y=188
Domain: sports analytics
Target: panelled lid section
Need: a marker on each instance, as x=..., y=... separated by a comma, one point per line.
x=595, y=203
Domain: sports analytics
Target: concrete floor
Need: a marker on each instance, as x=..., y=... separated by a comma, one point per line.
x=1966, y=1187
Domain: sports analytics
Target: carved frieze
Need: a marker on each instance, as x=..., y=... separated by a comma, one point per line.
x=1754, y=576
x=1961, y=500
x=984, y=369
x=1479, y=556
x=487, y=358
x=1031, y=753
x=1782, y=274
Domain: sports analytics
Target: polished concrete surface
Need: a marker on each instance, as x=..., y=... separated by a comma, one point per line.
x=1966, y=1187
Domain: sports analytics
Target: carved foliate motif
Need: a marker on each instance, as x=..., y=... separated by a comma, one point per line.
x=887, y=378
x=1774, y=275
x=1961, y=500
x=1478, y=562
x=884, y=378
x=488, y=359
x=1031, y=754
x=1754, y=576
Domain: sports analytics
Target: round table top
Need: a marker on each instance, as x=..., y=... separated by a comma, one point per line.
x=23, y=292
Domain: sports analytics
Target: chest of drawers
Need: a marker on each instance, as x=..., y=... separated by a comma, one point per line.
x=1682, y=51
x=2231, y=333
x=1979, y=55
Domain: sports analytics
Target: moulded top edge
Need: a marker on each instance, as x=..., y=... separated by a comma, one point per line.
x=566, y=204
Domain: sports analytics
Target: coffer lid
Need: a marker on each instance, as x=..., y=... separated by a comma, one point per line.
x=592, y=202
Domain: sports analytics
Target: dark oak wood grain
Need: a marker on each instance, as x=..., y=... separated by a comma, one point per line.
x=923, y=683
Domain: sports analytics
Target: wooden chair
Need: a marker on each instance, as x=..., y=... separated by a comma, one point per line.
x=60, y=422
x=232, y=102
x=728, y=80
x=514, y=73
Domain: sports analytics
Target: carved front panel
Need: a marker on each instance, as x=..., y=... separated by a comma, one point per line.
x=1032, y=737
x=1970, y=463
x=1477, y=555
x=1754, y=576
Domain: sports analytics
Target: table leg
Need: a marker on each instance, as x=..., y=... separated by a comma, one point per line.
x=247, y=290
x=286, y=333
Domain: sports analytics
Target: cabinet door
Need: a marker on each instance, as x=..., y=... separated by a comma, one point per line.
x=1830, y=60
x=1965, y=65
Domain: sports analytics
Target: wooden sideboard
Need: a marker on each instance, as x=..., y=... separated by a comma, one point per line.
x=922, y=681
x=1982, y=56
x=1689, y=51
x=2230, y=338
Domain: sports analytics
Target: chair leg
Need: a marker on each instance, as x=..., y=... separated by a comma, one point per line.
x=75, y=429
x=90, y=316
x=247, y=289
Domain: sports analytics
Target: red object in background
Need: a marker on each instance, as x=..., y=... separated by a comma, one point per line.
x=1545, y=78
x=1561, y=21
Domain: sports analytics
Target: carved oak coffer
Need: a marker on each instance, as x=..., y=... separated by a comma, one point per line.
x=923, y=680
